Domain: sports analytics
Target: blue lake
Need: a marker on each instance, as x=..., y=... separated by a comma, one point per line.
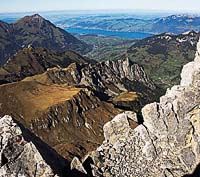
x=127, y=35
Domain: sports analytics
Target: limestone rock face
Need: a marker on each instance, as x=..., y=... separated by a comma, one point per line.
x=117, y=129
x=167, y=144
x=132, y=71
x=18, y=157
x=191, y=70
x=109, y=77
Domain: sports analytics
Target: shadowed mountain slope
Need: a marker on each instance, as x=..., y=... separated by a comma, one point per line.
x=36, y=31
x=30, y=61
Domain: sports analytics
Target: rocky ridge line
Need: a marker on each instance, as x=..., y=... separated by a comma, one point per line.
x=166, y=144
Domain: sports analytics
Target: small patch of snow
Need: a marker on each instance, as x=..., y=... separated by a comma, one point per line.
x=181, y=40
x=186, y=33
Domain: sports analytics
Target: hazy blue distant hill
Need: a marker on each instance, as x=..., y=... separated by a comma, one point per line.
x=126, y=24
x=177, y=24
x=129, y=23
x=153, y=23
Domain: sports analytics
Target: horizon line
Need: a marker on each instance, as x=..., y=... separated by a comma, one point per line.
x=104, y=10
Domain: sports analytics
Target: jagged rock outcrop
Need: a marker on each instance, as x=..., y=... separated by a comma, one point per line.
x=17, y=156
x=76, y=164
x=119, y=127
x=167, y=144
x=113, y=77
x=108, y=80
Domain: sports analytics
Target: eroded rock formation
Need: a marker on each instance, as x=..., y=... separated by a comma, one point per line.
x=167, y=144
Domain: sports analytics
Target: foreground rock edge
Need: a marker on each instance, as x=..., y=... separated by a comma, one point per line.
x=19, y=157
x=166, y=144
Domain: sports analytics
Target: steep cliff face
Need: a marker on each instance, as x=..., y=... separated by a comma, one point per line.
x=114, y=80
x=113, y=77
x=17, y=156
x=166, y=144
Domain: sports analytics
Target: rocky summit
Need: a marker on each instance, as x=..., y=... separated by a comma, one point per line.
x=166, y=144
x=17, y=156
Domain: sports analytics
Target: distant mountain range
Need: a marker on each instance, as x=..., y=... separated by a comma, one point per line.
x=177, y=24
x=36, y=31
x=174, y=23
x=152, y=24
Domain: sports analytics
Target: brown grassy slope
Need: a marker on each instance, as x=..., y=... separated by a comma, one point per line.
x=68, y=119
x=126, y=96
x=34, y=97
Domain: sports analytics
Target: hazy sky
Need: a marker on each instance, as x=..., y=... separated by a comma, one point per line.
x=45, y=5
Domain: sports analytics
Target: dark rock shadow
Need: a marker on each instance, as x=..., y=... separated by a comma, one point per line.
x=58, y=164
x=196, y=172
x=87, y=165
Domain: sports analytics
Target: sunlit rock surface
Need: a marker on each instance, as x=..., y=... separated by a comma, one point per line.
x=17, y=156
x=167, y=144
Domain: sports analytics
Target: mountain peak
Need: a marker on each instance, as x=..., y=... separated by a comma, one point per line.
x=32, y=18
x=189, y=32
x=38, y=32
x=36, y=16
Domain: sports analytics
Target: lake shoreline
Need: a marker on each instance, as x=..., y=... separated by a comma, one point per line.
x=125, y=35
